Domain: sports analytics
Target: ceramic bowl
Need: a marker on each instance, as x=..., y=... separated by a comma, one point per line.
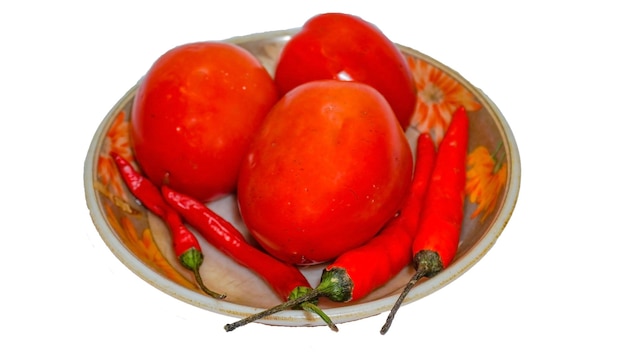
x=141, y=241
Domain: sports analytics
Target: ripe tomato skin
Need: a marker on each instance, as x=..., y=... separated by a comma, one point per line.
x=329, y=166
x=194, y=114
x=346, y=47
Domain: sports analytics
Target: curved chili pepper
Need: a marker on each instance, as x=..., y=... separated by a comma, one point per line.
x=283, y=278
x=186, y=246
x=357, y=272
x=391, y=247
x=437, y=239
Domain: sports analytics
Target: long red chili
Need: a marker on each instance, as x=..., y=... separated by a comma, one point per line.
x=391, y=247
x=186, y=246
x=437, y=239
x=283, y=278
x=357, y=272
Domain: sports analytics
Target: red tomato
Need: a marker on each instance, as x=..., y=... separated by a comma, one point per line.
x=329, y=166
x=345, y=47
x=194, y=115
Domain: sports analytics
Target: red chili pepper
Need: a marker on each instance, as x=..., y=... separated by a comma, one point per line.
x=285, y=279
x=437, y=238
x=391, y=247
x=186, y=245
x=358, y=272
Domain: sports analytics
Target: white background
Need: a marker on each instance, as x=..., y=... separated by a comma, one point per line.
x=553, y=281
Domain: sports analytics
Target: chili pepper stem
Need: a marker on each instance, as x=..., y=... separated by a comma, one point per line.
x=310, y=307
x=310, y=296
x=427, y=264
x=192, y=259
x=335, y=284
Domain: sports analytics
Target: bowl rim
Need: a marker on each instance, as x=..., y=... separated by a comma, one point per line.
x=339, y=314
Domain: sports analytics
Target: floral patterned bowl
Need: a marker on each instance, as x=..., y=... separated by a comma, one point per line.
x=141, y=241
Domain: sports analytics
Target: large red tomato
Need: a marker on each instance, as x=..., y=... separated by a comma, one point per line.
x=329, y=166
x=194, y=114
x=345, y=47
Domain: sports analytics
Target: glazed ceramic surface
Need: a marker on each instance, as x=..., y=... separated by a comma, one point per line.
x=141, y=241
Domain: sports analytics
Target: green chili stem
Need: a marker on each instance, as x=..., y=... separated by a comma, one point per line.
x=192, y=259
x=313, y=294
x=196, y=274
x=310, y=307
